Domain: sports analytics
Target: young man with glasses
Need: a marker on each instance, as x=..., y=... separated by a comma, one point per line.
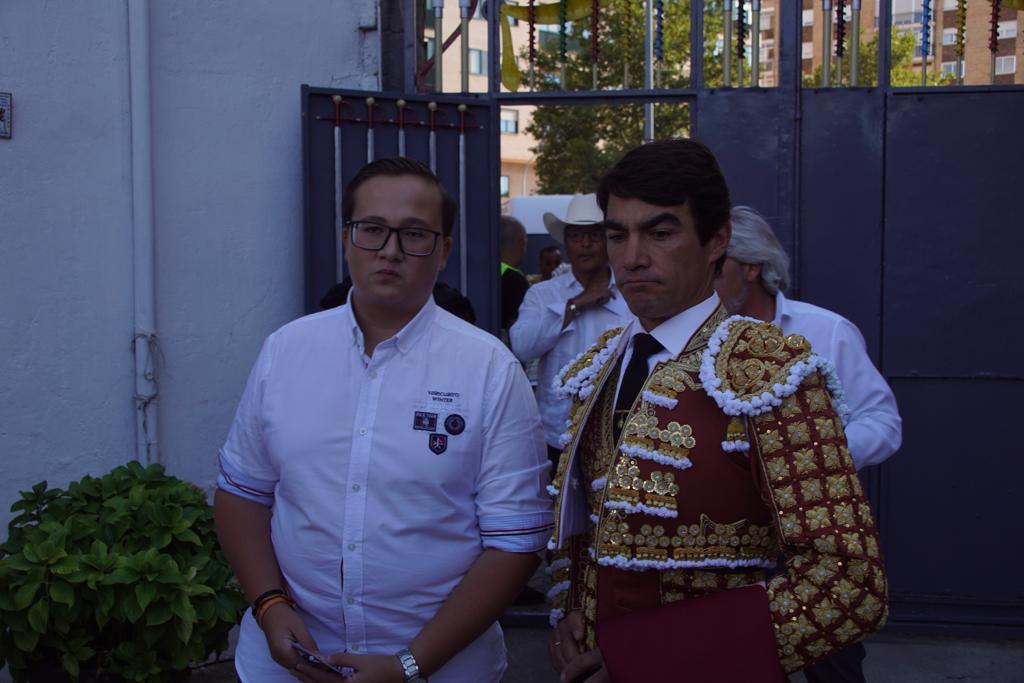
x=380, y=495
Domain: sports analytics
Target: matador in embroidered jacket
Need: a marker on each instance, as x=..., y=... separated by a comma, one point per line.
x=732, y=453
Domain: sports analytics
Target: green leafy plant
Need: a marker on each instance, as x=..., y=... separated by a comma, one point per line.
x=118, y=575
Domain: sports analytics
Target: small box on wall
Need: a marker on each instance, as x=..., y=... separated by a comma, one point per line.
x=6, y=114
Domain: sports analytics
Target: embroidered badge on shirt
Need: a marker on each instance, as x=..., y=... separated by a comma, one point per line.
x=454, y=424
x=425, y=422
x=438, y=443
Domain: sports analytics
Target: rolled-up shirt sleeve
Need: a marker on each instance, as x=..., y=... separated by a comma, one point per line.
x=244, y=465
x=513, y=508
x=874, y=430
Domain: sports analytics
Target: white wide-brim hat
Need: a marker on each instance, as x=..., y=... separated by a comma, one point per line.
x=583, y=210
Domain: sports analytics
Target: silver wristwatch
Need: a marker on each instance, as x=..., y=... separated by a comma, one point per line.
x=410, y=668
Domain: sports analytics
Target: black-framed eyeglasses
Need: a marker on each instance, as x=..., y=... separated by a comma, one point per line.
x=374, y=237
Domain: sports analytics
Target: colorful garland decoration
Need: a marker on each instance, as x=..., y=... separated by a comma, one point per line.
x=659, y=30
x=993, y=35
x=563, y=45
x=840, y=28
x=741, y=32
x=961, y=28
x=532, y=19
x=926, y=28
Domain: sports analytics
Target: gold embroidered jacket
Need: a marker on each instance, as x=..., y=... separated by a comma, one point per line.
x=733, y=452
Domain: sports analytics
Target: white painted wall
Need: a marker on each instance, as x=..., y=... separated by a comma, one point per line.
x=227, y=185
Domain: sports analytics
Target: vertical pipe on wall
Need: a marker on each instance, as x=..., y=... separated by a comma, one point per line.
x=144, y=338
x=826, y=43
x=648, y=68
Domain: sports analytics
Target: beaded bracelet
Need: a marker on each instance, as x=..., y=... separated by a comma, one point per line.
x=264, y=607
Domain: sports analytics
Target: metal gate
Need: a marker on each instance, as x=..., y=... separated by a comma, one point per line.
x=896, y=205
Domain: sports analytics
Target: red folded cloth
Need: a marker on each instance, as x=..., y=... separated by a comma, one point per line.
x=724, y=637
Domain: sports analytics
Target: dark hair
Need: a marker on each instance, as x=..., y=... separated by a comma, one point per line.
x=671, y=173
x=512, y=231
x=398, y=166
x=549, y=249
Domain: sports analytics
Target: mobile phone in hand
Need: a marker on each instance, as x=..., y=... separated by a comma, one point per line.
x=318, y=662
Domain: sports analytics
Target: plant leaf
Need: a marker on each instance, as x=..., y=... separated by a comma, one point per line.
x=70, y=665
x=26, y=640
x=39, y=615
x=24, y=596
x=144, y=593
x=158, y=614
x=184, y=629
x=62, y=592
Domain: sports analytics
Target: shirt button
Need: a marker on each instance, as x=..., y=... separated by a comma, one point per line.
x=351, y=601
x=351, y=546
x=373, y=374
x=362, y=431
x=355, y=487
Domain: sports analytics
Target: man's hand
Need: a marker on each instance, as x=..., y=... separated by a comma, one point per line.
x=566, y=642
x=588, y=667
x=281, y=625
x=369, y=668
x=589, y=298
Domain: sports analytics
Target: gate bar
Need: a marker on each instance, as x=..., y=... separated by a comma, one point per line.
x=855, y=43
x=648, y=68
x=826, y=44
x=755, y=43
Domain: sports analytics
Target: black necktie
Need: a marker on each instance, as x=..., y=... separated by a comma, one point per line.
x=644, y=346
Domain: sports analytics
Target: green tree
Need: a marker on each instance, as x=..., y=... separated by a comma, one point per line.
x=903, y=72
x=576, y=144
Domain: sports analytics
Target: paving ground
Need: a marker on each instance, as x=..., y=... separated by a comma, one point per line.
x=891, y=659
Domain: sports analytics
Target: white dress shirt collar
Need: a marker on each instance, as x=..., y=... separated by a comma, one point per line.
x=572, y=284
x=677, y=330
x=782, y=313
x=405, y=338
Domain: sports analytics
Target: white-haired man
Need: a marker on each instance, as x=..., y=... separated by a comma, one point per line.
x=561, y=317
x=752, y=281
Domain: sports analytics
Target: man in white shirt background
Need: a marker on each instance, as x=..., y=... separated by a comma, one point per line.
x=561, y=317
x=752, y=281
x=381, y=491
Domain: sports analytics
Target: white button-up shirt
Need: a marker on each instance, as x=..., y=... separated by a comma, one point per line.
x=388, y=476
x=538, y=333
x=874, y=431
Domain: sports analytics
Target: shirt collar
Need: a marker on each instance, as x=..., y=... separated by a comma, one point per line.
x=406, y=337
x=781, y=310
x=572, y=284
x=677, y=330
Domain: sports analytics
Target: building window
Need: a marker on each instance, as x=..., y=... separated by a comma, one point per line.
x=808, y=17
x=505, y=185
x=1006, y=65
x=1007, y=29
x=477, y=62
x=807, y=50
x=949, y=36
x=509, y=121
x=949, y=68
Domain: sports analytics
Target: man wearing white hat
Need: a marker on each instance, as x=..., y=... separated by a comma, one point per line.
x=561, y=317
